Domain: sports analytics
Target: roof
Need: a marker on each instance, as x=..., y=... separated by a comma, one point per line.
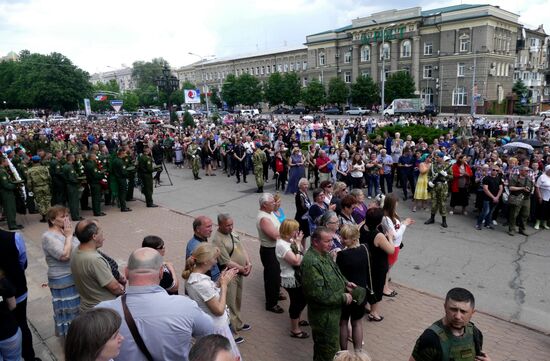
x=448, y=9
x=339, y=30
x=255, y=54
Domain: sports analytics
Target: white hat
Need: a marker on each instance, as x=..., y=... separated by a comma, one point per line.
x=446, y=158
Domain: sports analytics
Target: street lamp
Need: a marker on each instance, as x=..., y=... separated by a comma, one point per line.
x=383, y=60
x=167, y=83
x=204, y=86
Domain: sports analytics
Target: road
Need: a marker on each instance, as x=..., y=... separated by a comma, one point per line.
x=510, y=276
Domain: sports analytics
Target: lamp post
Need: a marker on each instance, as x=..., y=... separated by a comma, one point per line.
x=204, y=86
x=383, y=61
x=167, y=83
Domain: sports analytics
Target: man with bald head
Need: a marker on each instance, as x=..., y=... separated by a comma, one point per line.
x=165, y=323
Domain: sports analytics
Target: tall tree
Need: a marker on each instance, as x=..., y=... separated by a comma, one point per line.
x=274, y=89
x=291, y=89
x=313, y=94
x=131, y=101
x=215, y=97
x=364, y=92
x=250, y=90
x=521, y=92
x=145, y=72
x=338, y=91
x=230, y=91
x=43, y=81
x=399, y=85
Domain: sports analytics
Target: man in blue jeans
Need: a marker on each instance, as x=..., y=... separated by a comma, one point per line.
x=492, y=190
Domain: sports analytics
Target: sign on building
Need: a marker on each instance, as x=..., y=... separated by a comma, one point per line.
x=192, y=96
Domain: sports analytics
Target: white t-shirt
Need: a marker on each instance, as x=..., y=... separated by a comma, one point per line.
x=201, y=289
x=287, y=272
x=544, y=186
x=398, y=230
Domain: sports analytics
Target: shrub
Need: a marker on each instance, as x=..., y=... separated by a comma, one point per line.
x=415, y=131
x=11, y=114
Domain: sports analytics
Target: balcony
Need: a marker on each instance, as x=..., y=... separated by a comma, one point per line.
x=533, y=83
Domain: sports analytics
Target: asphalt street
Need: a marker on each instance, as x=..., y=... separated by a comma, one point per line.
x=509, y=276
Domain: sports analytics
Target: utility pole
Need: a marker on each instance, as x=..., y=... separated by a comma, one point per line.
x=473, y=104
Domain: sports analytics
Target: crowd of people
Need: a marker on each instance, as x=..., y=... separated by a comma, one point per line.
x=333, y=256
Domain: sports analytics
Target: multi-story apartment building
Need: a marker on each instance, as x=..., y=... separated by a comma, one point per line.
x=122, y=76
x=532, y=65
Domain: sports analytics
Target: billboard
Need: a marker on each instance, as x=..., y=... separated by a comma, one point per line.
x=192, y=96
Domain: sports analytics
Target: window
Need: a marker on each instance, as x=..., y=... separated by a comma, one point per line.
x=286, y=68
x=460, y=69
x=365, y=73
x=304, y=82
x=365, y=53
x=464, y=43
x=428, y=48
x=347, y=57
x=385, y=51
x=459, y=96
x=267, y=69
x=347, y=77
x=506, y=69
x=273, y=68
x=427, y=73
x=291, y=66
x=406, y=69
x=406, y=49
x=322, y=59
x=280, y=68
x=262, y=70
x=304, y=66
x=257, y=70
x=427, y=95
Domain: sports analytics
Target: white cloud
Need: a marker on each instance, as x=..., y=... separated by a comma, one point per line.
x=100, y=34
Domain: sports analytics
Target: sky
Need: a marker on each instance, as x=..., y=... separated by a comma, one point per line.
x=103, y=35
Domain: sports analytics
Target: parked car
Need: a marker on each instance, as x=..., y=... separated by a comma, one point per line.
x=27, y=121
x=332, y=111
x=281, y=110
x=357, y=111
x=299, y=110
x=545, y=114
x=430, y=109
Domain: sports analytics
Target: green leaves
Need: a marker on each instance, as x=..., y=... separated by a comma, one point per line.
x=364, y=92
x=399, y=85
x=338, y=91
x=245, y=89
x=314, y=94
x=521, y=91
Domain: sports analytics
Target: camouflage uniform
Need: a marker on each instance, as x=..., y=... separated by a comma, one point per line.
x=194, y=151
x=258, y=159
x=7, y=195
x=38, y=181
x=145, y=173
x=324, y=287
x=439, y=191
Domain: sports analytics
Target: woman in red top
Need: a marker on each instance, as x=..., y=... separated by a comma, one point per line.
x=461, y=184
x=281, y=171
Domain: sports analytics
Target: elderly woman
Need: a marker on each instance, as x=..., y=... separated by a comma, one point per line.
x=360, y=210
x=331, y=221
x=58, y=243
x=462, y=174
x=318, y=207
x=340, y=190
x=542, y=192
x=289, y=253
x=303, y=203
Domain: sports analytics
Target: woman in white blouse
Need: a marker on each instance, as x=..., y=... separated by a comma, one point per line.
x=210, y=296
x=392, y=225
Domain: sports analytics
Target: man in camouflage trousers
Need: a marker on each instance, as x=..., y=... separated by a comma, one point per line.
x=38, y=181
x=194, y=151
x=438, y=176
x=258, y=159
x=326, y=291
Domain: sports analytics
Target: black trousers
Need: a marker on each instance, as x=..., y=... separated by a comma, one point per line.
x=272, y=276
x=407, y=178
x=240, y=167
x=21, y=316
x=297, y=302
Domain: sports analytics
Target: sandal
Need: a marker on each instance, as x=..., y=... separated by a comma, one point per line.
x=303, y=323
x=300, y=334
x=392, y=294
x=374, y=319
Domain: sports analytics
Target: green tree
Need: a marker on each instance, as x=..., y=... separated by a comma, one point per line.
x=521, y=91
x=148, y=96
x=43, y=81
x=364, y=92
x=145, y=72
x=230, y=91
x=131, y=101
x=338, y=91
x=188, y=121
x=249, y=90
x=313, y=94
x=274, y=89
x=399, y=85
x=215, y=97
x=291, y=89
x=187, y=85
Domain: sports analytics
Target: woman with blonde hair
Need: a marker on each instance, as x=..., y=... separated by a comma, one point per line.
x=346, y=355
x=200, y=288
x=290, y=253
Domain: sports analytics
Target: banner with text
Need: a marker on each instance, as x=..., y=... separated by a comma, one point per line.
x=192, y=96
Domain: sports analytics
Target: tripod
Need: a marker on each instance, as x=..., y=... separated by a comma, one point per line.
x=158, y=184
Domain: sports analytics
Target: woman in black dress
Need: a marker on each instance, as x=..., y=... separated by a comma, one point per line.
x=302, y=207
x=379, y=247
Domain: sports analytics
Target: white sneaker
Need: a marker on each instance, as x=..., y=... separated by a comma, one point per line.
x=495, y=223
x=451, y=212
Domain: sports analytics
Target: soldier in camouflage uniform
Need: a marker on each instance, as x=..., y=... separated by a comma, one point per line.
x=38, y=181
x=326, y=291
x=258, y=160
x=7, y=195
x=94, y=176
x=438, y=176
x=194, y=151
x=145, y=170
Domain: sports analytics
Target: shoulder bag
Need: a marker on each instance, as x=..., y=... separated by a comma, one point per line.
x=133, y=329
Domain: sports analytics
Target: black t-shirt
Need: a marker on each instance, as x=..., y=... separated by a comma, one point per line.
x=8, y=323
x=354, y=264
x=493, y=183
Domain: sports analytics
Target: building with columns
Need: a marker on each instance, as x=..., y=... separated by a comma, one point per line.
x=457, y=55
x=122, y=76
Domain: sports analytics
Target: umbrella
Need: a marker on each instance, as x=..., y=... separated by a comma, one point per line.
x=169, y=126
x=532, y=142
x=307, y=117
x=521, y=145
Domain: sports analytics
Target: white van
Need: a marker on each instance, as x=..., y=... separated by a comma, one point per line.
x=151, y=112
x=27, y=121
x=250, y=112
